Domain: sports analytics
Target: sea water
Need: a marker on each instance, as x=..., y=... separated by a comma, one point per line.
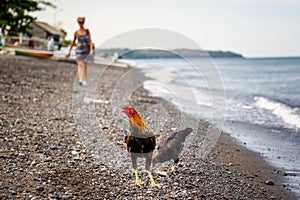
x=262, y=101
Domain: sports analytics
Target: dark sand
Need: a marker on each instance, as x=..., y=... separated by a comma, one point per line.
x=43, y=154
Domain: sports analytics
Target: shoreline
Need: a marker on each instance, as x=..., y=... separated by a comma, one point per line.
x=42, y=154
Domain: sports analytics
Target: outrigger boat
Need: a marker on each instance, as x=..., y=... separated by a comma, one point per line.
x=34, y=47
x=23, y=51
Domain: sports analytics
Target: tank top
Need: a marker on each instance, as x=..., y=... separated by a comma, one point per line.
x=83, y=43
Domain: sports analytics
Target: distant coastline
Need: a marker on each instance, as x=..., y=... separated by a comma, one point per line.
x=173, y=53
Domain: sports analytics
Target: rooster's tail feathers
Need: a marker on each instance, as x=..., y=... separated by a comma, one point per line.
x=182, y=134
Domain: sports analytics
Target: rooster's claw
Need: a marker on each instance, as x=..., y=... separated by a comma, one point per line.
x=137, y=184
x=155, y=185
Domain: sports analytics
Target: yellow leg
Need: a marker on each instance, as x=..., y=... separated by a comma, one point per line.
x=137, y=181
x=152, y=183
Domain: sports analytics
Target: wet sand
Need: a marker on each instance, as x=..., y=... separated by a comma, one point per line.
x=43, y=154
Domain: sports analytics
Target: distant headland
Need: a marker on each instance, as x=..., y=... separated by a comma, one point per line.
x=158, y=53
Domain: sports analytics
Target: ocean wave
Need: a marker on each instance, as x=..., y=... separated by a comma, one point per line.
x=286, y=113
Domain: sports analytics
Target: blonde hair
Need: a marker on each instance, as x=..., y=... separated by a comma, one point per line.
x=80, y=18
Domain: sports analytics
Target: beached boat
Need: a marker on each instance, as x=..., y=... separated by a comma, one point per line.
x=34, y=47
x=34, y=52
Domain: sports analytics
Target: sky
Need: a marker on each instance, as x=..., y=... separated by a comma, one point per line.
x=254, y=28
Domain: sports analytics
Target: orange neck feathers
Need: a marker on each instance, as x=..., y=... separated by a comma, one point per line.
x=138, y=122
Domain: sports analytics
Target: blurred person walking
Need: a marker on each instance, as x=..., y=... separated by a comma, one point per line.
x=84, y=50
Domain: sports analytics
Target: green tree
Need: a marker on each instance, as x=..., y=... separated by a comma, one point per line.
x=65, y=42
x=15, y=15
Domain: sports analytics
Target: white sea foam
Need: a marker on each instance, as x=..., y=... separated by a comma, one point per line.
x=286, y=113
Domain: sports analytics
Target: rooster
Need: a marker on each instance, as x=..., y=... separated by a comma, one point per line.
x=139, y=143
x=171, y=149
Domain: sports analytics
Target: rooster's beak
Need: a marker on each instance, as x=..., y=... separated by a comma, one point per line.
x=125, y=109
